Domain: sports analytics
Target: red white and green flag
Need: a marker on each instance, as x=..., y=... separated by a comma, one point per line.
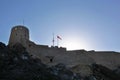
x=59, y=37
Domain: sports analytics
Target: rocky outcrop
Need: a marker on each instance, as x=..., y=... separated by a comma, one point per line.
x=17, y=64
x=104, y=73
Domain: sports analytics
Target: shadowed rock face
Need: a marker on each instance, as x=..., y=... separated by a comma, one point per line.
x=2, y=45
x=17, y=64
x=54, y=55
x=102, y=72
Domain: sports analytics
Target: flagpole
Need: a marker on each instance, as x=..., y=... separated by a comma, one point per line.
x=23, y=22
x=57, y=42
x=53, y=40
x=58, y=38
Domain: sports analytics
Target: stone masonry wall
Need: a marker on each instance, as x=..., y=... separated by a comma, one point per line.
x=55, y=55
x=19, y=34
x=109, y=59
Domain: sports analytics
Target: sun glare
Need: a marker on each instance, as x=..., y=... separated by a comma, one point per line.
x=75, y=44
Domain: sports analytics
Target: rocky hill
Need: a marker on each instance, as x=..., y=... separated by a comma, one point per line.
x=17, y=64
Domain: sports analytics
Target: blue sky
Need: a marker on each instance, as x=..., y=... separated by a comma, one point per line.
x=82, y=24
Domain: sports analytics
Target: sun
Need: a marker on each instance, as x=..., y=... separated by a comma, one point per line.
x=74, y=43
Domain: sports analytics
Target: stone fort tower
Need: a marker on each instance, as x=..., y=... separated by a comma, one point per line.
x=19, y=34
x=54, y=55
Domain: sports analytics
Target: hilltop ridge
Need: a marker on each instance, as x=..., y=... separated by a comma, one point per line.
x=21, y=48
x=54, y=55
x=16, y=64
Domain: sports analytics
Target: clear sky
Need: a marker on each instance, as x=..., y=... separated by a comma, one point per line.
x=82, y=24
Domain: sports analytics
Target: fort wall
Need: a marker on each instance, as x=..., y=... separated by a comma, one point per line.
x=55, y=55
x=109, y=59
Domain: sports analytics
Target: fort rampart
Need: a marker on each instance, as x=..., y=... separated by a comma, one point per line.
x=55, y=55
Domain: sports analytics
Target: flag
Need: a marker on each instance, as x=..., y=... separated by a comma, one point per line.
x=59, y=37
